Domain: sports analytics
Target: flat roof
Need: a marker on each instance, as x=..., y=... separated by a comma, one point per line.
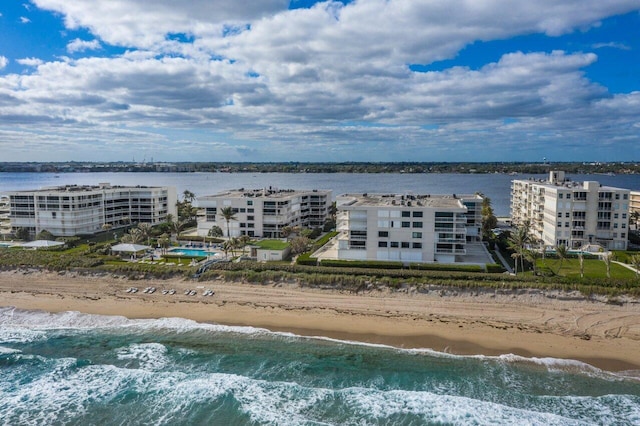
x=568, y=184
x=82, y=188
x=396, y=200
x=265, y=193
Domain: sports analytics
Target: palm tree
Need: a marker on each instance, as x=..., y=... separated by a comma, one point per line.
x=561, y=252
x=635, y=261
x=188, y=196
x=607, y=258
x=531, y=256
x=517, y=242
x=134, y=236
x=635, y=218
x=581, y=259
x=145, y=229
x=228, y=214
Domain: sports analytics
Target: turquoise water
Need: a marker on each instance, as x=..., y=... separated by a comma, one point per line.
x=192, y=252
x=79, y=369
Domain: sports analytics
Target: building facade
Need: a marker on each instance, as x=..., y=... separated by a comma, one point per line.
x=84, y=210
x=265, y=212
x=408, y=228
x=634, y=209
x=562, y=212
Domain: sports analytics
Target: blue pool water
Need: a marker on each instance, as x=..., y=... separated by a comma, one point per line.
x=192, y=252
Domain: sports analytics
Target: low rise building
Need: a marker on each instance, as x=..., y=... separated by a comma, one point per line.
x=561, y=212
x=407, y=228
x=265, y=212
x=83, y=210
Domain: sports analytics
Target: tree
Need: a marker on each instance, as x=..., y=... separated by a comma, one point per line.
x=607, y=258
x=635, y=261
x=145, y=230
x=634, y=218
x=45, y=235
x=228, y=214
x=517, y=243
x=531, y=256
x=581, y=260
x=23, y=234
x=215, y=232
x=299, y=244
x=286, y=232
x=561, y=252
x=133, y=236
x=188, y=196
x=489, y=220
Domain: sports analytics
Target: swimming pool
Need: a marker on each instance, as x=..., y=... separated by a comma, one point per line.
x=187, y=252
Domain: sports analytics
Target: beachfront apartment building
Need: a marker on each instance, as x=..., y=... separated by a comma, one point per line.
x=265, y=212
x=562, y=212
x=634, y=208
x=407, y=228
x=71, y=210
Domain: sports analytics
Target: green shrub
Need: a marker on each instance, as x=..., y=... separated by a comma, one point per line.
x=375, y=264
x=494, y=268
x=445, y=267
x=306, y=259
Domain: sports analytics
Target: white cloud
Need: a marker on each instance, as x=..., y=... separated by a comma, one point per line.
x=3, y=62
x=143, y=23
x=24, y=20
x=30, y=62
x=78, y=45
x=611, y=44
x=334, y=78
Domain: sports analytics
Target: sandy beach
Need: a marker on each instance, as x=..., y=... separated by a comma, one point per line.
x=531, y=324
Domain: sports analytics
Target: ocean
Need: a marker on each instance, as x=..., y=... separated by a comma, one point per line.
x=495, y=186
x=78, y=369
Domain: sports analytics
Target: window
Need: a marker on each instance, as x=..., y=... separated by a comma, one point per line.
x=615, y=225
x=559, y=224
x=243, y=210
x=243, y=225
x=250, y=218
x=623, y=235
x=394, y=244
x=567, y=214
x=625, y=196
x=624, y=215
x=566, y=224
x=383, y=234
x=249, y=210
x=405, y=244
x=250, y=225
x=417, y=224
x=406, y=214
x=382, y=244
x=406, y=224
x=568, y=196
x=416, y=234
x=615, y=215
x=417, y=214
x=624, y=226
x=559, y=214
x=417, y=245
x=560, y=196
x=249, y=202
x=617, y=196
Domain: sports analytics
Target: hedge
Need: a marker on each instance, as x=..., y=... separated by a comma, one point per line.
x=374, y=264
x=445, y=267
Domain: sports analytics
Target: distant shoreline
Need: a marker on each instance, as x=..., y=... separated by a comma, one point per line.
x=529, y=325
x=320, y=167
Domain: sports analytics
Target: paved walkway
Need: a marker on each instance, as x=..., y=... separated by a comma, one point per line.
x=504, y=262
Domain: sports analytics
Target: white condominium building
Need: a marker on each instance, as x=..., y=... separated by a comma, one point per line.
x=408, y=228
x=83, y=210
x=562, y=212
x=264, y=212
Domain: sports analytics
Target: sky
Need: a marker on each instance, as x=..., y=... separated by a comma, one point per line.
x=299, y=80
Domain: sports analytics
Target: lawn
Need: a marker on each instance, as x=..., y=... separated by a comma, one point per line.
x=271, y=244
x=593, y=268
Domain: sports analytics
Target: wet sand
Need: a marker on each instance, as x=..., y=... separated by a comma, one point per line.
x=533, y=324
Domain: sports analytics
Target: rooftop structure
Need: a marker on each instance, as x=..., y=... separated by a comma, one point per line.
x=408, y=228
x=264, y=212
x=87, y=209
x=562, y=212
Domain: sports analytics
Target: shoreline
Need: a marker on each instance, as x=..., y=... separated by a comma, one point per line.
x=528, y=325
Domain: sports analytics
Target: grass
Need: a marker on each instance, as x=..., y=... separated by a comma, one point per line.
x=592, y=269
x=271, y=244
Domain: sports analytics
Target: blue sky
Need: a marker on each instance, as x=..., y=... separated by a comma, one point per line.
x=372, y=80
